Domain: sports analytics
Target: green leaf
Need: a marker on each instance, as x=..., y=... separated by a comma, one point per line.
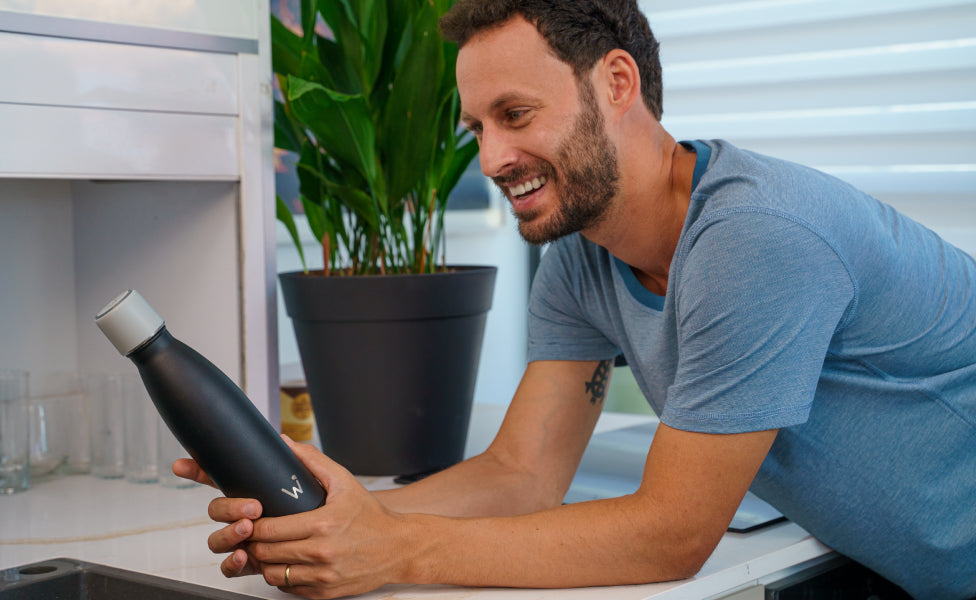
x=310, y=12
x=286, y=48
x=312, y=69
x=352, y=198
x=284, y=215
x=286, y=135
x=340, y=123
x=309, y=170
x=360, y=203
x=317, y=221
x=339, y=16
x=408, y=135
x=370, y=17
x=461, y=158
x=332, y=60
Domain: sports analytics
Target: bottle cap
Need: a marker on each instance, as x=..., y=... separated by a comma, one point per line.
x=128, y=321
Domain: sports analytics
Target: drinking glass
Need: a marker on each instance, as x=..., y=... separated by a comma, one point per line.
x=106, y=396
x=169, y=450
x=141, y=432
x=14, y=432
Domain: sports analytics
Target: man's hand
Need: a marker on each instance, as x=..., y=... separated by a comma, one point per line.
x=238, y=513
x=348, y=546
x=187, y=468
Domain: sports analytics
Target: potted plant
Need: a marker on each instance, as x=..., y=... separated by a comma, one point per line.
x=389, y=335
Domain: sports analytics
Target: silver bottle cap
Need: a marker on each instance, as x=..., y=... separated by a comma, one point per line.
x=128, y=321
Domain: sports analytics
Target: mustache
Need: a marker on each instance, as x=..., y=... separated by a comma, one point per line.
x=520, y=172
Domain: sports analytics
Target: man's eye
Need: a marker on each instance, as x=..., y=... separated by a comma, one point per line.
x=515, y=115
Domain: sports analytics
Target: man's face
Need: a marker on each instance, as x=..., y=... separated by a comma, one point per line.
x=542, y=136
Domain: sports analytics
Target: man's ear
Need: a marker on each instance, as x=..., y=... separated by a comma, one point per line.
x=622, y=79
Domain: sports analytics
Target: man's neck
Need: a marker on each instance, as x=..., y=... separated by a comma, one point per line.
x=646, y=223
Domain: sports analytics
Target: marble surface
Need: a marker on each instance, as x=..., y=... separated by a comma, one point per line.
x=163, y=531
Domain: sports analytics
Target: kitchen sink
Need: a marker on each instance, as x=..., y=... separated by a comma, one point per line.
x=69, y=579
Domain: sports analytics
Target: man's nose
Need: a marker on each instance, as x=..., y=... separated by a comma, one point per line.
x=495, y=153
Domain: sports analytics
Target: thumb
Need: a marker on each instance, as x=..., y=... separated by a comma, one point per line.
x=330, y=474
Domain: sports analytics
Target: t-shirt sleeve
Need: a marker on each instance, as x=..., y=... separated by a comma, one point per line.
x=558, y=327
x=759, y=297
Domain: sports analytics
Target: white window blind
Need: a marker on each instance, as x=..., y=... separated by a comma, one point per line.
x=881, y=93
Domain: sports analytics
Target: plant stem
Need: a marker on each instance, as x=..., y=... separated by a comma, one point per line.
x=326, y=254
x=430, y=218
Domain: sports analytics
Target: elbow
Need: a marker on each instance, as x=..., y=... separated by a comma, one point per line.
x=688, y=564
x=670, y=550
x=682, y=561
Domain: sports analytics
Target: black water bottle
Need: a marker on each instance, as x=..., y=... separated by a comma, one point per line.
x=210, y=416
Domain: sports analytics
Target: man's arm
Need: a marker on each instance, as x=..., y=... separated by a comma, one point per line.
x=691, y=487
x=531, y=462
x=528, y=467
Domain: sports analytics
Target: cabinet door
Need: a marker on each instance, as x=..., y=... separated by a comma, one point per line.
x=85, y=109
x=86, y=143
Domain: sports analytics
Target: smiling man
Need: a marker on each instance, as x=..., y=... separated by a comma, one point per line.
x=795, y=336
x=588, y=177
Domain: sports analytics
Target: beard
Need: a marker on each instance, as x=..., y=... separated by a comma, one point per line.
x=586, y=181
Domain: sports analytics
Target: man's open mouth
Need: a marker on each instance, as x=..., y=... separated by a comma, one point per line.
x=524, y=189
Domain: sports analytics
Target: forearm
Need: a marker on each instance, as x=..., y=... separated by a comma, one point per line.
x=484, y=485
x=609, y=542
x=531, y=462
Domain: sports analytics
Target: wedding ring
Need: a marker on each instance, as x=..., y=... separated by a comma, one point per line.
x=287, y=582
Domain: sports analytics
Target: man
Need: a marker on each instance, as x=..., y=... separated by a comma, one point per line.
x=793, y=334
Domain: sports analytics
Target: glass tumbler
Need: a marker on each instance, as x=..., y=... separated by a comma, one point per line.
x=14, y=432
x=106, y=396
x=141, y=432
x=68, y=387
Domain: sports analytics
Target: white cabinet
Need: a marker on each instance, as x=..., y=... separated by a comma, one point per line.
x=135, y=151
x=81, y=108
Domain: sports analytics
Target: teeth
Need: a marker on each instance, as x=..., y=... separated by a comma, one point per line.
x=528, y=186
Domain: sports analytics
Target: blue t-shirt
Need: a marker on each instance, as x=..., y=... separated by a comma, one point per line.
x=796, y=302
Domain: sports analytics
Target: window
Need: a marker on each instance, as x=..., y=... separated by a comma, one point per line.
x=881, y=93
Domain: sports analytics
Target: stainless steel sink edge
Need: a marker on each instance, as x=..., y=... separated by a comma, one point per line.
x=71, y=579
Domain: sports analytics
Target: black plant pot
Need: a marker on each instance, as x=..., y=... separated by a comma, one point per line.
x=391, y=363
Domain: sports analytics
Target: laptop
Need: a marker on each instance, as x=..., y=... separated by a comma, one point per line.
x=613, y=464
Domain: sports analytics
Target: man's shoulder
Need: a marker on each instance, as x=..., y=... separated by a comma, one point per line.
x=573, y=267
x=573, y=251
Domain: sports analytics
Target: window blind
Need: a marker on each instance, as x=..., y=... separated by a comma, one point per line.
x=881, y=93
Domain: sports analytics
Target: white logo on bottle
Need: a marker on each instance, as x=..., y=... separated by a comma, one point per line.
x=295, y=490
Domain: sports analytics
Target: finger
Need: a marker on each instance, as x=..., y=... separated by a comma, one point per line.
x=326, y=470
x=188, y=469
x=282, y=529
x=230, y=537
x=309, y=582
x=286, y=577
x=237, y=565
x=229, y=510
x=284, y=553
x=281, y=576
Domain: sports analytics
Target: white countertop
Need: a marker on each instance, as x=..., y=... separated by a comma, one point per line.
x=162, y=531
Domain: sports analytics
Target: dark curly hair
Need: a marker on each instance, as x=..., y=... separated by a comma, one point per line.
x=580, y=32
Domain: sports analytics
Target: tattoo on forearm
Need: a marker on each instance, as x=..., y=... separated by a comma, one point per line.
x=596, y=388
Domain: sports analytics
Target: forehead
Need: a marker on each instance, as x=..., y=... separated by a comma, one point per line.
x=509, y=62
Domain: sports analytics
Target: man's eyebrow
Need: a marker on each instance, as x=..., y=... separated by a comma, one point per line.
x=498, y=103
x=505, y=99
